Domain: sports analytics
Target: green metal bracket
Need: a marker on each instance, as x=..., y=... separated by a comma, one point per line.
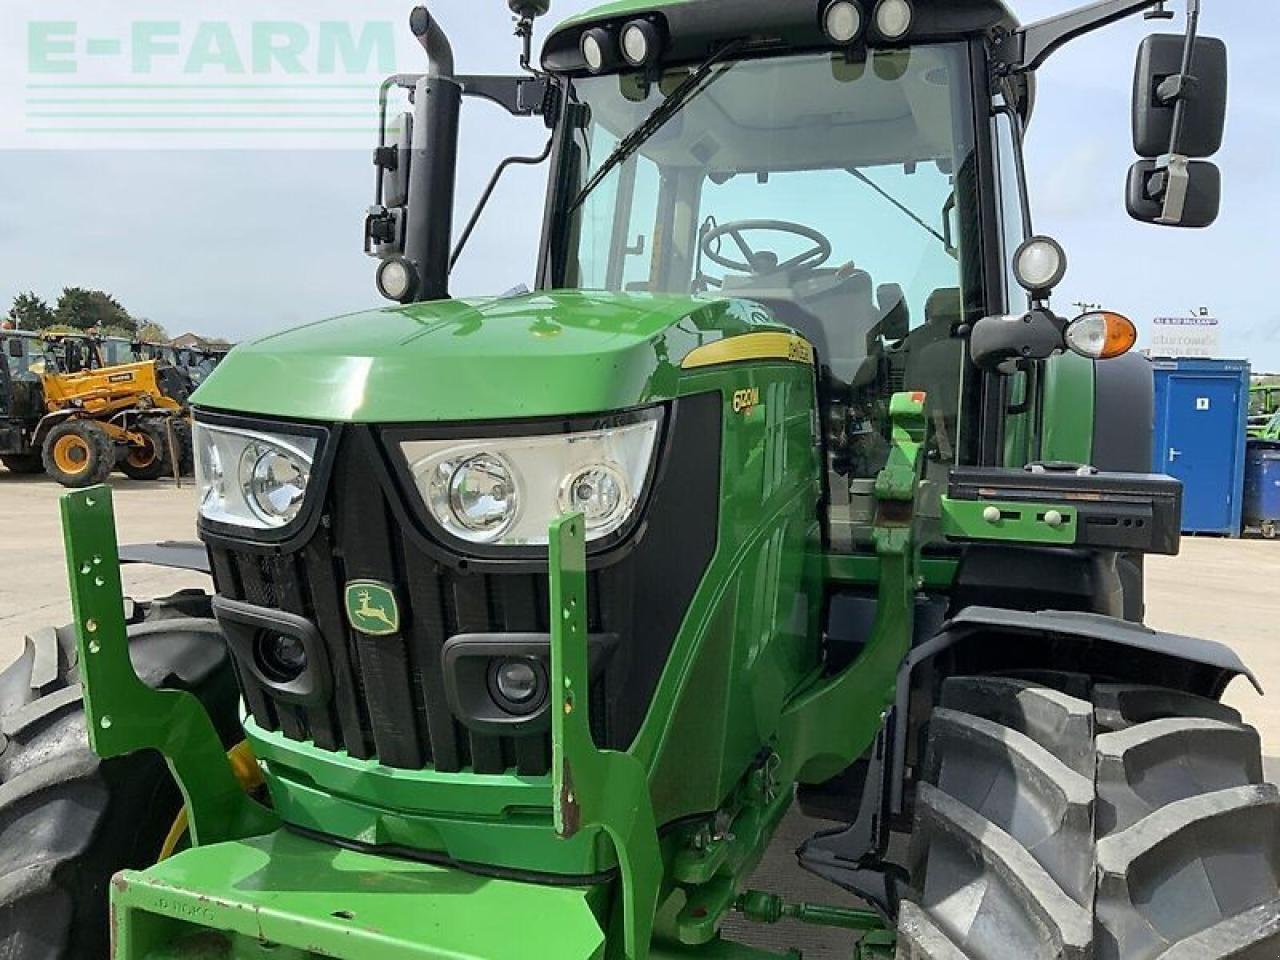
x=828, y=726
x=596, y=788
x=123, y=714
x=878, y=945
x=1009, y=521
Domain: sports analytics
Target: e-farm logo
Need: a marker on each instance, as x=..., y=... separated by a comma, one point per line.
x=136, y=74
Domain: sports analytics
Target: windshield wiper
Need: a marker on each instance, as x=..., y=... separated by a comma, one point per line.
x=911, y=214
x=689, y=88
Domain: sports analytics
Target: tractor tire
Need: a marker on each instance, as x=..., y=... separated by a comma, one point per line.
x=69, y=820
x=153, y=459
x=78, y=453
x=1133, y=825
x=24, y=463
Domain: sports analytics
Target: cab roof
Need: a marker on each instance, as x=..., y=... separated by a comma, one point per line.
x=694, y=28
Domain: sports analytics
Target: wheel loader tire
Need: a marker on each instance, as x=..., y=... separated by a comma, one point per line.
x=1134, y=825
x=25, y=463
x=78, y=453
x=153, y=459
x=186, y=446
x=68, y=820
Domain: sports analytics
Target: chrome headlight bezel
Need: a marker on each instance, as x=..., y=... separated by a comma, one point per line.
x=413, y=449
x=241, y=442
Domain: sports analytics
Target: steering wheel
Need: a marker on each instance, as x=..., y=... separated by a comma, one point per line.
x=760, y=263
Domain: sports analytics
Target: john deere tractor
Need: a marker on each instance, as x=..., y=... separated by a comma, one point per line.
x=786, y=487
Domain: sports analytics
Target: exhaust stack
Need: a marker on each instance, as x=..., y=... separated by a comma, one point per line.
x=434, y=163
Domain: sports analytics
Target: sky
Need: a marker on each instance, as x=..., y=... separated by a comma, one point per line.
x=240, y=242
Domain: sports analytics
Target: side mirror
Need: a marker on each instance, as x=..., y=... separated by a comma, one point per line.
x=1179, y=118
x=15, y=347
x=1200, y=184
x=1159, y=86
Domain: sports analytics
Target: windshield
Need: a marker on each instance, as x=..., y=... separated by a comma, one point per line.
x=830, y=190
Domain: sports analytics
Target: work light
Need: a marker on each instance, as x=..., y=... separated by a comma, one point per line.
x=842, y=21
x=641, y=41
x=396, y=279
x=1040, y=264
x=893, y=19
x=596, y=47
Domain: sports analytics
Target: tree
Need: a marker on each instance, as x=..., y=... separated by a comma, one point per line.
x=29, y=312
x=92, y=309
x=151, y=332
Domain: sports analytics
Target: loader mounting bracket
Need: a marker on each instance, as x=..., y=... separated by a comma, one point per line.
x=594, y=788
x=123, y=714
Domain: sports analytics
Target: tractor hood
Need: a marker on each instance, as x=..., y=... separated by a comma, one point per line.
x=535, y=355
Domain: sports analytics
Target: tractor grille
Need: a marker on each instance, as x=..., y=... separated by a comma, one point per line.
x=389, y=699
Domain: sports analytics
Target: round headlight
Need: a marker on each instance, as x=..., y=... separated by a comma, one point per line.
x=640, y=42
x=475, y=498
x=842, y=21
x=893, y=19
x=275, y=483
x=599, y=492
x=1040, y=264
x=396, y=279
x=595, y=49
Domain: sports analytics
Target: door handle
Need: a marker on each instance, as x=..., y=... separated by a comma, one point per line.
x=1174, y=454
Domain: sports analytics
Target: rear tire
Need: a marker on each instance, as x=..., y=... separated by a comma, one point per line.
x=153, y=459
x=78, y=453
x=68, y=820
x=24, y=463
x=1134, y=825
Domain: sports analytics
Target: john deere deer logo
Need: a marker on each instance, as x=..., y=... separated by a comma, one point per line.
x=372, y=608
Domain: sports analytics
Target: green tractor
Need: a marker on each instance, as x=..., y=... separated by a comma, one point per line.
x=785, y=490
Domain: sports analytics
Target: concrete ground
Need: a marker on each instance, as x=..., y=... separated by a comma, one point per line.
x=33, y=572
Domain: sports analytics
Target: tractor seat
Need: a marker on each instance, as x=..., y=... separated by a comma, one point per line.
x=934, y=358
x=832, y=309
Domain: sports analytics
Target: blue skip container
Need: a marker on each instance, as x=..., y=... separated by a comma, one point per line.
x=1262, y=487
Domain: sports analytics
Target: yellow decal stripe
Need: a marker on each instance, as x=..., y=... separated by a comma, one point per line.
x=751, y=346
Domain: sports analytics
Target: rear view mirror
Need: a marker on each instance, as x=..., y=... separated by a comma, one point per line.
x=1149, y=186
x=1158, y=89
x=15, y=347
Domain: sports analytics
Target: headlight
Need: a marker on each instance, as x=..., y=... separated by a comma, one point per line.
x=251, y=479
x=506, y=490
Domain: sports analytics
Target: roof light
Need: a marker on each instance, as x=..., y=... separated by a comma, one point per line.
x=842, y=21
x=396, y=279
x=1040, y=264
x=641, y=42
x=1102, y=335
x=893, y=19
x=597, y=49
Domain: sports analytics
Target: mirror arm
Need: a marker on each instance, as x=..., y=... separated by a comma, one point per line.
x=1027, y=49
x=1174, y=166
x=1182, y=89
